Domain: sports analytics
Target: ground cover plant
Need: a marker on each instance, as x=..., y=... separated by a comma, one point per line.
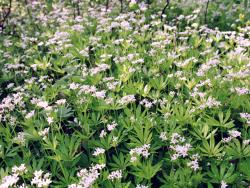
x=124, y=94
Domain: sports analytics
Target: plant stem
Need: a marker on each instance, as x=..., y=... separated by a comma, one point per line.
x=206, y=10
x=107, y=5
x=121, y=1
x=245, y=4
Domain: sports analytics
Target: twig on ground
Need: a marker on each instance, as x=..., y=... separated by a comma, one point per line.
x=164, y=9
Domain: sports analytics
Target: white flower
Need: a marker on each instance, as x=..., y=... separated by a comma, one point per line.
x=125, y=25
x=223, y=184
x=126, y=99
x=193, y=164
x=19, y=170
x=246, y=117
x=100, y=94
x=40, y=179
x=114, y=138
x=9, y=181
x=88, y=177
x=112, y=85
x=133, y=159
x=178, y=147
x=99, y=68
x=20, y=138
x=246, y=142
x=132, y=2
x=50, y=120
x=84, y=53
x=241, y=90
x=163, y=136
x=146, y=103
x=103, y=134
x=30, y=114
x=61, y=101
x=176, y=138
x=111, y=126
x=227, y=139
x=98, y=151
x=44, y=133
x=115, y=175
x=143, y=150
x=141, y=186
x=172, y=93
x=209, y=103
x=73, y=86
x=234, y=133
x=181, y=150
x=42, y=104
x=22, y=186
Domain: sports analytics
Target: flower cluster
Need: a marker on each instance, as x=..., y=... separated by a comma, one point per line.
x=98, y=151
x=87, y=177
x=139, y=151
x=232, y=134
x=179, y=146
x=115, y=175
x=40, y=179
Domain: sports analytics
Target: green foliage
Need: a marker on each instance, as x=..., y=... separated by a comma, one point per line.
x=101, y=93
x=225, y=173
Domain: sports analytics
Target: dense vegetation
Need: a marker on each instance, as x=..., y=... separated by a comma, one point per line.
x=124, y=93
